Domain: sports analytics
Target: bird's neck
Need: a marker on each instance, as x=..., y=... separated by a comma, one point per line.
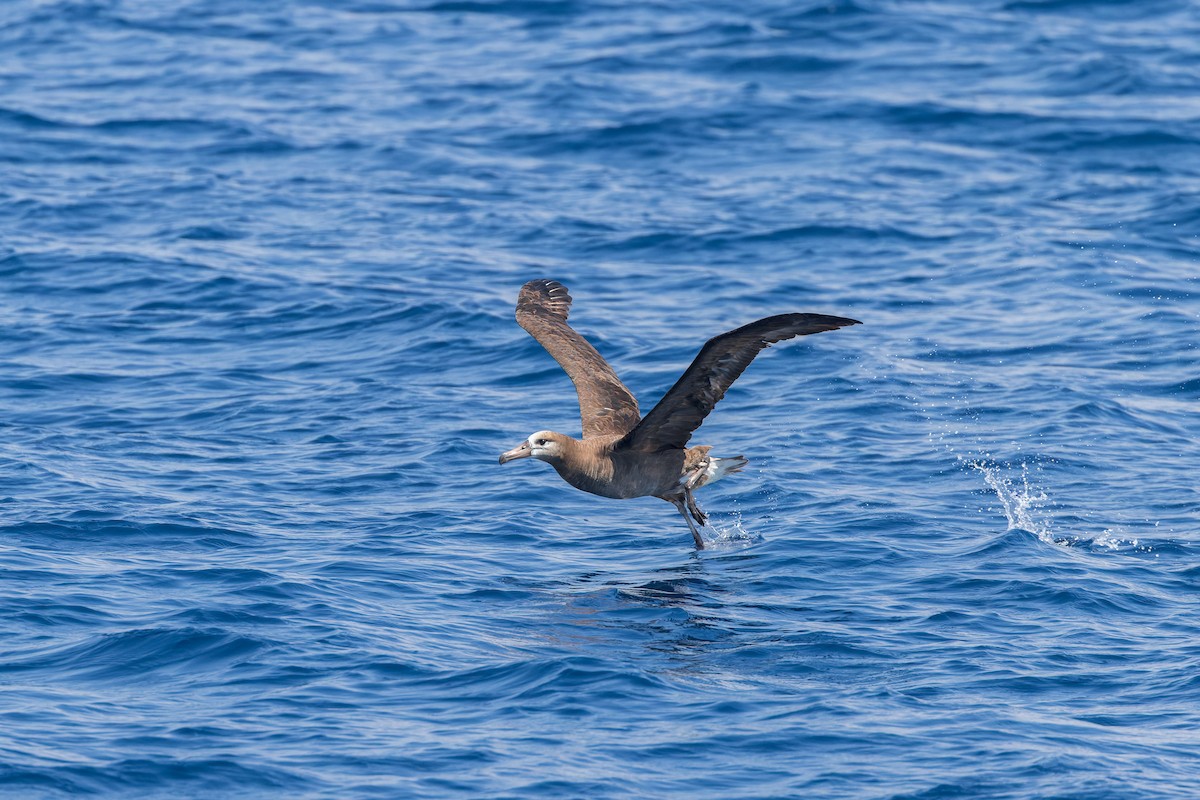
x=583, y=463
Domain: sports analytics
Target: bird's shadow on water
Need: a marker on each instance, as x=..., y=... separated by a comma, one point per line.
x=671, y=615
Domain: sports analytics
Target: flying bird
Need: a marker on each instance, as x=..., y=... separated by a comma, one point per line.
x=623, y=454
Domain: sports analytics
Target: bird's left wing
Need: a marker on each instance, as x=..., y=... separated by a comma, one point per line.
x=722, y=359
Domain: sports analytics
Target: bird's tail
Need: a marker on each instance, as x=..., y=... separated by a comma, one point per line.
x=712, y=469
x=720, y=467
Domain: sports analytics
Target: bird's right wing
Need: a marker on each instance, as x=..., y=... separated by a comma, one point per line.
x=606, y=406
x=722, y=359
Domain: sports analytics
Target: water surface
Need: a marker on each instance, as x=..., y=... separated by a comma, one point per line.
x=257, y=271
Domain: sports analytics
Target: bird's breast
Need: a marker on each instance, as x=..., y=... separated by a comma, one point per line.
x=624, y=474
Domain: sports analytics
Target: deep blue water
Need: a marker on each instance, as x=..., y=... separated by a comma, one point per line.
x=257, y=273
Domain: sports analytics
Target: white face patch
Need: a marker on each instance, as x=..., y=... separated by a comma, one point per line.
x=543, y=445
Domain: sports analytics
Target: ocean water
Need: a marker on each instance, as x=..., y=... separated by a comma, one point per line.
x=257, y=271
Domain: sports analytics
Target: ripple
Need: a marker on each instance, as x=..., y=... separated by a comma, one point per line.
x=112, y=656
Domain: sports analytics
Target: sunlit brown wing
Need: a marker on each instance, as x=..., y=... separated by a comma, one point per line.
x=719, y=363
x=605, y=405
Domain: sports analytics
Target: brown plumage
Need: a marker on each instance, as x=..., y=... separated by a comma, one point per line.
x=623, y=454
x=605, y=405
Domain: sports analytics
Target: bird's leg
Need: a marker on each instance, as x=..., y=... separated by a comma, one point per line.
x=679, y=505
x=698, y=476
x=699, y=515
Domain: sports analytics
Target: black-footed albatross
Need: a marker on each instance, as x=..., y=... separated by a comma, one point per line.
x=623, y=454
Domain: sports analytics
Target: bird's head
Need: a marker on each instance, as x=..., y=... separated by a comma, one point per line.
x=543, y=445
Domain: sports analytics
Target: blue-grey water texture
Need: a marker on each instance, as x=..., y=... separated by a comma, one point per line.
x=257, y=273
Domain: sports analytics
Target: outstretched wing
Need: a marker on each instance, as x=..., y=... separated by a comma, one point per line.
x=606, y=407
x=722, y=359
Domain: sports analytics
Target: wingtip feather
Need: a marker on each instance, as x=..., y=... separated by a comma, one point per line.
x=544, y=294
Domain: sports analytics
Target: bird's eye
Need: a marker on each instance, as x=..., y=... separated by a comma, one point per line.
x=540, y=442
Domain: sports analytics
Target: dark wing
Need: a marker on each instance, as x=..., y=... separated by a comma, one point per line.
x=722, y=359
x=605, y=405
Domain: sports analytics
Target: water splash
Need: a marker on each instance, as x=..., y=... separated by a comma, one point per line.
x=1024, y=507
x=1112, y=540
x=730, y=532
x=1023, y=504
